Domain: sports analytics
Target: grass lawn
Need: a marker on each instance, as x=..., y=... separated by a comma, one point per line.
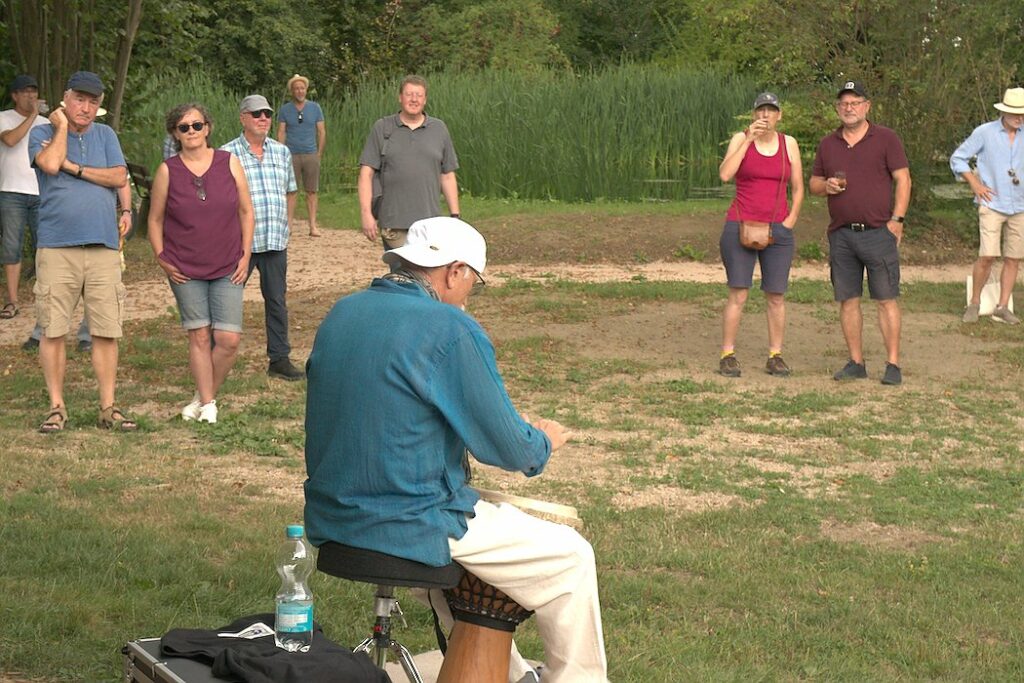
x=746, y=530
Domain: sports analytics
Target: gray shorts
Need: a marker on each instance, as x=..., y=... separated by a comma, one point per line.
x=875, y=250
x=210, y=303
x=775, y=260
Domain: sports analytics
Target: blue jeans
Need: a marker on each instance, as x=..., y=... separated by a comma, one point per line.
x=210, y=303
x=83, y=331
x=16, y=211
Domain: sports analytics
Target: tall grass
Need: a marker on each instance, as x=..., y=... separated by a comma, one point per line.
x=629, y=132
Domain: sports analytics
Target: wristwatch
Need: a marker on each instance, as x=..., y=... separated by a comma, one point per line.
x=898, y=219
x=80, y=169
x=455, y=215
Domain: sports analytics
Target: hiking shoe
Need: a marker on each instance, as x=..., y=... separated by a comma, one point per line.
x=892, y=375
x=208, y=412
x=852, y=371
x=971, y=313
x=283, y=369
x=30, y=345
x=729, y=366
x=776, y=366
x=190, y=412
x=1002, y=314
x=84, y=345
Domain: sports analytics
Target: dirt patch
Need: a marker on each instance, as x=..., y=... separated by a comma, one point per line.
x=885, y=537
x=674, y=498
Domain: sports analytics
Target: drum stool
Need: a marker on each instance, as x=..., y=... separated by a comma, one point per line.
x=485, y=618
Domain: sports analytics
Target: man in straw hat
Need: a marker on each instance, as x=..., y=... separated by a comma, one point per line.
x=402, y=382
x=996, y=182
x=300, y=126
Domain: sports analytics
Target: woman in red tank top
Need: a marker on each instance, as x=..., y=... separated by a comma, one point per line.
x=763, y=162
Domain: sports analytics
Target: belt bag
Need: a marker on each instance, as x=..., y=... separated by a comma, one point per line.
x=756, y=234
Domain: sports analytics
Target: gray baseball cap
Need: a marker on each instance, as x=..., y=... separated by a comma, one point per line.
x=767, y=98
x=254, y=103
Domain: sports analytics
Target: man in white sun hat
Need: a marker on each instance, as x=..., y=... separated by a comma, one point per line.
x=402, y=383
x=996, y=180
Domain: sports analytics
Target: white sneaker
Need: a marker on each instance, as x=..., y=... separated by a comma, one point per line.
x=208, y=412
x=191, y=412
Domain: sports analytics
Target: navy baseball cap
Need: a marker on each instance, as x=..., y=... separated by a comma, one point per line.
x=87, y=82
x=856, y=87
x=22, y=81
x=767, y=98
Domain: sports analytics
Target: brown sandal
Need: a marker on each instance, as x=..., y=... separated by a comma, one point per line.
x=55, y=421
x=9, y=311
x=112, y=418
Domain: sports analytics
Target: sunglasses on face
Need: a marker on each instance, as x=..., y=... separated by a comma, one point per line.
x=196, y=126
x=262, y=114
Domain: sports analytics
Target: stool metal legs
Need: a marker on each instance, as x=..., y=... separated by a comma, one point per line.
x=380, y=643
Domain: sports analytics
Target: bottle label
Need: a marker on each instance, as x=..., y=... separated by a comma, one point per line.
x=294, y=618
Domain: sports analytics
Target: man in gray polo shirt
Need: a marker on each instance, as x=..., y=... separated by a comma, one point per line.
x=407, y=162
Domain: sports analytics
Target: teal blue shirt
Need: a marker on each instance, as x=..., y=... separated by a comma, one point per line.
x=300, y=129
x=400, y=385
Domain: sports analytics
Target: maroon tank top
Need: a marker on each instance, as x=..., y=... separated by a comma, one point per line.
x=202, y=232
x=758, y=197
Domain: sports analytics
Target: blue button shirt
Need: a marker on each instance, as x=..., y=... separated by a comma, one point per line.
x=400, y=385
x=990, y=143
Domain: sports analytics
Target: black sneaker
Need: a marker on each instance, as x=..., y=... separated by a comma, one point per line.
x=84, y=346
x=729, y=366
x=892, y=375
x=30, y=344
x=776, y=366
x=283, y=369
x=851, y=371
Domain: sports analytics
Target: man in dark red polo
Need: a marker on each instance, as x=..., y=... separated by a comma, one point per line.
x=862, y=169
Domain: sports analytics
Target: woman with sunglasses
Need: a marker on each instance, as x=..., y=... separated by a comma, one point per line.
x=201, y=227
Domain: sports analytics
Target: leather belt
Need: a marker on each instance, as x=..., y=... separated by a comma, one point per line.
x=860, y=227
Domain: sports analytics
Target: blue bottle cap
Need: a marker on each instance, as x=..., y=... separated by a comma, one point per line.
x=294, y=531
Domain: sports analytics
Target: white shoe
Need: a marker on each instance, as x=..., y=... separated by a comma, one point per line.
x=208, y=412
x=191, y=412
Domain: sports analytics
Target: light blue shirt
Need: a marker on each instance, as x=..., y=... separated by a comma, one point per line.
x=400, y=385
x=270, y=181
x=73, y=211
x=990, y=143
x=300, y=136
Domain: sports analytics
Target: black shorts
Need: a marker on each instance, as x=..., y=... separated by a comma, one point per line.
x=850, y=253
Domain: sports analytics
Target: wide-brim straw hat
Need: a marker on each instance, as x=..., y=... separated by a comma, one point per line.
x=294, y=78
x=1013, y=101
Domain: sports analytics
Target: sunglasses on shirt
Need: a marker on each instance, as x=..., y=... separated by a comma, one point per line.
x=300, y=117
x=197, y=126
x=1013, y=176
x=262, y=114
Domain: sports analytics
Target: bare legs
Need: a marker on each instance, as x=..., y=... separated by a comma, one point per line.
x=775, y=311
x=312, y=202
x=889, y=322
x=53, y=358
x=211, y=365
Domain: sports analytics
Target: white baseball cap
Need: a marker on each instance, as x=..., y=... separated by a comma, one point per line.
x=439, y=241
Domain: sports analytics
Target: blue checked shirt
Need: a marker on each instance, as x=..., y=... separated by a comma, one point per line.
x=269, y=182
x=990, y=143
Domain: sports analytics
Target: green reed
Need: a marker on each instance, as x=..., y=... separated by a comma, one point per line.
x=633, y=132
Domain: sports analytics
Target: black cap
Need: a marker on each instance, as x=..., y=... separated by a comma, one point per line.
x=767, y=98
x=85, y=81
x=22, y=81
x=856, y=87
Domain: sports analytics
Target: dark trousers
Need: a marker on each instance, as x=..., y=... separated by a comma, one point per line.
x=273, y=267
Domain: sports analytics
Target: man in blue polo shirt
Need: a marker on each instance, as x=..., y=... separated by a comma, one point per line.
x=300, y=125
x=999, y=194
x=82, y=177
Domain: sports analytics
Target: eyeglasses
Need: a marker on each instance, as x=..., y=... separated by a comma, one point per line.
x=300, y=117
x=196, y=126
x=1013, y=176
x=262, y=114
x=850, y=105
x=200, y=187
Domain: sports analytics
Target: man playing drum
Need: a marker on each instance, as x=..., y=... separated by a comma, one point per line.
x=402, y=382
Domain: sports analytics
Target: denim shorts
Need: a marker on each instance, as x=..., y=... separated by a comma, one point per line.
x=210, y=303
x=17, y=210
x=875, y=250
x=775, y=260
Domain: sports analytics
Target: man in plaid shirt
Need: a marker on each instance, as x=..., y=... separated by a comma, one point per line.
x=268, y=168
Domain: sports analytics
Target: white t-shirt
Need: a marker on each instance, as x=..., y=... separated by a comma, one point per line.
x=16, y=173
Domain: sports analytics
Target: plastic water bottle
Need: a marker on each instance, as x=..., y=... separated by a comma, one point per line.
x=293, y=618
